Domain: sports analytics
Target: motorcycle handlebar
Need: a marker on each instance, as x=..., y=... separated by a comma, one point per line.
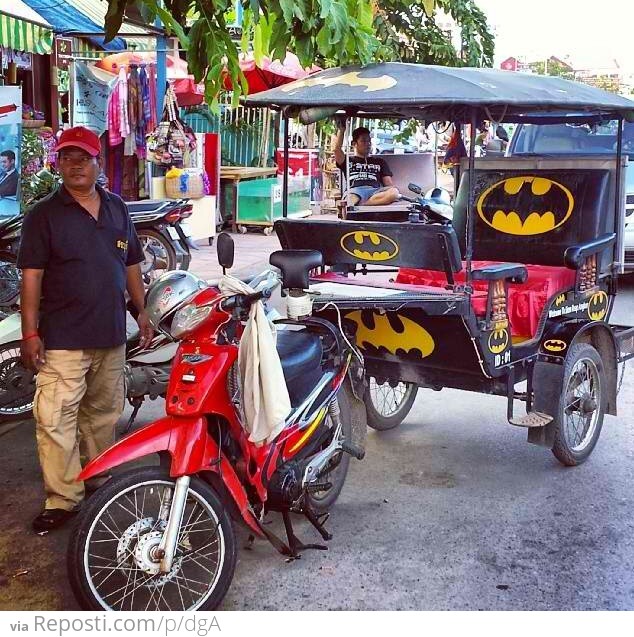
x=245, y=300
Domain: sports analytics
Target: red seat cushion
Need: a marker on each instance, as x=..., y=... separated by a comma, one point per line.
x=526, y=300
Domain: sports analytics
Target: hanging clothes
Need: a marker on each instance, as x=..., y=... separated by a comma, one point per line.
x=153, y=120
x=133, y=104
x=114, y=135
x=146, y=111
x=124, y=123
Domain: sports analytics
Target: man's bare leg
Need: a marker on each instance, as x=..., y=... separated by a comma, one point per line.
x=383, y=198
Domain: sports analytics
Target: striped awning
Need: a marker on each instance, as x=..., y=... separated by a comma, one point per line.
x=23, y=35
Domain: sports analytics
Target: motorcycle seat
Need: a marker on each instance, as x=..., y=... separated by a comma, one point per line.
x=300, y=353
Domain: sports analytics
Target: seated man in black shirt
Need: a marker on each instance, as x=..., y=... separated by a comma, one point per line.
x=370, y=177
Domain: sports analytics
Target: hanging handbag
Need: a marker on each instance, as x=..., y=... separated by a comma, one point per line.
x=172, y=141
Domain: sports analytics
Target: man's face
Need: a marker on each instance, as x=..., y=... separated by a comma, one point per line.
x=78, y=168
x=6, y=164
x=363, y=145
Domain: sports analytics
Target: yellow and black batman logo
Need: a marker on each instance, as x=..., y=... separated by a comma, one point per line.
x=555, y=345
x=598, y=306
x=498, y=341
x=559, y=300
x=369, y=246
x=525, y=205
x=351, y=78
x=399, y=333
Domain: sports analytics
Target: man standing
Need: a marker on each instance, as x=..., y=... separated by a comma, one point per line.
x=9, y=180
x=370, y=177
x=79, y=253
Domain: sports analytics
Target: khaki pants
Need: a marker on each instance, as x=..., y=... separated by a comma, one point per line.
x=78, y=400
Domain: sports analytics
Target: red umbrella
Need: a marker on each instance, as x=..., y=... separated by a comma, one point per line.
x=187, y=91
x=270, y=74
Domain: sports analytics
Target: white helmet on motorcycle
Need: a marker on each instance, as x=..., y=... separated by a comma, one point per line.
x=168, y=294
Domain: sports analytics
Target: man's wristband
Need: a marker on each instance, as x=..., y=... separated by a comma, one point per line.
x=34, y=335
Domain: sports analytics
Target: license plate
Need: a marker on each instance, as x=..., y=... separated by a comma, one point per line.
x=173, y=233
x=187, y=231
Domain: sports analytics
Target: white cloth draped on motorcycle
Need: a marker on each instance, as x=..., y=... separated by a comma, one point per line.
x=265, y=398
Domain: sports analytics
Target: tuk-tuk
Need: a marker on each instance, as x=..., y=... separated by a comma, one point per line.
x=512, y=296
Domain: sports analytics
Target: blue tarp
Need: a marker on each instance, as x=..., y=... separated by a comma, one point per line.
x=66, y=20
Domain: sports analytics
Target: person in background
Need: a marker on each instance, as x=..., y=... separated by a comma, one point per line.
x=9, y=179
x=79, y=254
x=370, y=177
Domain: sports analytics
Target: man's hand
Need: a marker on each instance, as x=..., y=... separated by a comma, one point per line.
x=32, y=353
x=147, y=331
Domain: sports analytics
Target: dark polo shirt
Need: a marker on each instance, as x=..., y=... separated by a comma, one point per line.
x=84, y=263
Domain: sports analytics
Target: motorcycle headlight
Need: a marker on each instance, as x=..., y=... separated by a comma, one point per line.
x=188, y=318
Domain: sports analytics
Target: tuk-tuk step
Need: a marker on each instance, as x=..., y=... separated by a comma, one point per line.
x=532, y=419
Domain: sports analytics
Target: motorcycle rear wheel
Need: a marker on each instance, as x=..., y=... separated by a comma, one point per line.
x=159, y=255
x=17, y=384
x=111, y=561
x=353, y=424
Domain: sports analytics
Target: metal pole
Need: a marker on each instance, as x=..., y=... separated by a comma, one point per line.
x=285, y=178
x=618, y=196
x=470, y=230
x=435, y=155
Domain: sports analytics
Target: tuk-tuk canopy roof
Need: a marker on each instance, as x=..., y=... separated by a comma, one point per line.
x=394, y=89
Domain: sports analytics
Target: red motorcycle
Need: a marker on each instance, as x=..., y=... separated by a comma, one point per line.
x=162, y=537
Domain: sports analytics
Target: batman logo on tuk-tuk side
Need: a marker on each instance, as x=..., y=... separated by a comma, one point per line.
x=555, y=345
x=392, y=333
x=369, y=246
x=498, y=341
x=559, y=300
x=598, y=306
x=525, y=205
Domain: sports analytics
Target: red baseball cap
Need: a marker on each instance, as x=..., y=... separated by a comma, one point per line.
x=79, y=137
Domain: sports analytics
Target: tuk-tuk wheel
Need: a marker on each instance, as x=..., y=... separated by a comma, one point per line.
x=581, y=407
x=388, y=404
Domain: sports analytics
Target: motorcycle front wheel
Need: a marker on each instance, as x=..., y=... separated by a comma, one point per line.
x=112, y=556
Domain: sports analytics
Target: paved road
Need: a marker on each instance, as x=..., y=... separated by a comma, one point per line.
x=452, y=510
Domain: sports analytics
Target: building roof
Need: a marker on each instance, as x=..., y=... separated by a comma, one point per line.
x=20, y=10
x=73, y=17
x=23, y=29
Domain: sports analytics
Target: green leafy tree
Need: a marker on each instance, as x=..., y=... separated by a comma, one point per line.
x=553, y=67
x=326, y=32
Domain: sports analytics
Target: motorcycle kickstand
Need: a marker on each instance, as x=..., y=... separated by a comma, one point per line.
x=294, y=543
x=318, y=523
x=136, y=405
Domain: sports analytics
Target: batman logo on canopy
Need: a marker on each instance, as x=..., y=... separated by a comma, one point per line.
x=352, y=78
x=525, y=205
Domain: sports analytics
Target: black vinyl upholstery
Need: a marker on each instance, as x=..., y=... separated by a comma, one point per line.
x=300, y=353
x=592, y=213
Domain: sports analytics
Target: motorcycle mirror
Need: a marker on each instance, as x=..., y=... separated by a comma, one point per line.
x=225, y=250
x=414, y=188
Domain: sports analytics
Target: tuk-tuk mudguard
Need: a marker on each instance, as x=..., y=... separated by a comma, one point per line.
x=549, y=369
x=191, y=450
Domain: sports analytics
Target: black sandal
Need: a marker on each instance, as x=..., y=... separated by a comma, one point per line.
x=51, y=519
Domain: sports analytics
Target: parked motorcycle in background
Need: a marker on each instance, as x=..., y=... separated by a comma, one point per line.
x=9, y=274
x=165, y=237
x=166, y=246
